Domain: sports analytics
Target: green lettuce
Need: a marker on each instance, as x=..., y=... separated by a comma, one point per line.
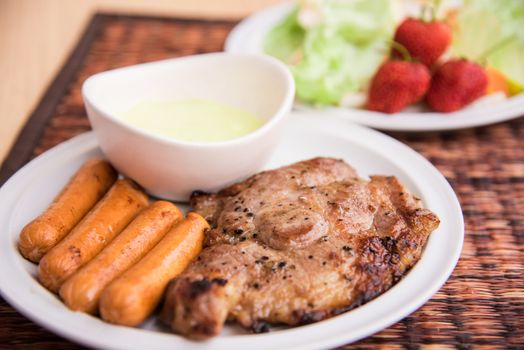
x=337, y=55
x=286, y=38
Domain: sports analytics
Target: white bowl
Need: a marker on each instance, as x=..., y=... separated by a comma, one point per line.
x=172, y=169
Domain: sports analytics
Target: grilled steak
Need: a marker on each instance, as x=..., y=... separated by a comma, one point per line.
x=297, y=245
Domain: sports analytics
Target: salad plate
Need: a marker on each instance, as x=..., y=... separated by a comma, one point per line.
x=31, y=189
x=249, y=37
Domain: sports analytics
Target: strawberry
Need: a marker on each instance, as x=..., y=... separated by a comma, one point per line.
x=425, y=41
x=396, y=85
x=455, y=84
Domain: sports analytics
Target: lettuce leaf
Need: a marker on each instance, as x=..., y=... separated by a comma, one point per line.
x=286, y=38
x=339, y=54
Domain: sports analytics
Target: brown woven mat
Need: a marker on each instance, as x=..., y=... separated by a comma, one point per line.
x=481, y=306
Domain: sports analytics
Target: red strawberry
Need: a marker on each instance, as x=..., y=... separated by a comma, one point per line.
x=425, y=41
x=396, y=85
x=455, y=84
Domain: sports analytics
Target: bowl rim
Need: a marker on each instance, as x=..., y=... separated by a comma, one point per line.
x=284, y=108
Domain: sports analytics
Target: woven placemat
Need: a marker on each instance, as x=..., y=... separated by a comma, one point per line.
x=482, y=304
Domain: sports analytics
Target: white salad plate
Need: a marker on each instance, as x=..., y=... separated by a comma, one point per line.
x=248, y=37
x=27, y=193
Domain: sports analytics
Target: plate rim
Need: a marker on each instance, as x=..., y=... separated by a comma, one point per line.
x=88, y=142
x=511, y=108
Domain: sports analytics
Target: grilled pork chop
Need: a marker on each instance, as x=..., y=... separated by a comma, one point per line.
x=297, y=245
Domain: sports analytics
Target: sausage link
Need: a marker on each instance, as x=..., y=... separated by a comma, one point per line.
x=83, y=191
x=132, y=297
x=107, y=219
x=81, y=292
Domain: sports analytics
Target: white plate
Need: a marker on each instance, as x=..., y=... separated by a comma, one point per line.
x=248, y=37
x=30, y=190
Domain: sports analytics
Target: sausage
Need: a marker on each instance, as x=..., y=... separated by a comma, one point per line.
x=132, y=297
x=83, y=191
x=108, y=218
x=82, y=290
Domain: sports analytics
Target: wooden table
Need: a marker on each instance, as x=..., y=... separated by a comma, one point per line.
x=36, y=37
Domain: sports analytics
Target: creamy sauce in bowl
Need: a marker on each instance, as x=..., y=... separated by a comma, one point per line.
x=192, y=120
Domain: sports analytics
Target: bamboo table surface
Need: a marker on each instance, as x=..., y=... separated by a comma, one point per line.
x=482, y=304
